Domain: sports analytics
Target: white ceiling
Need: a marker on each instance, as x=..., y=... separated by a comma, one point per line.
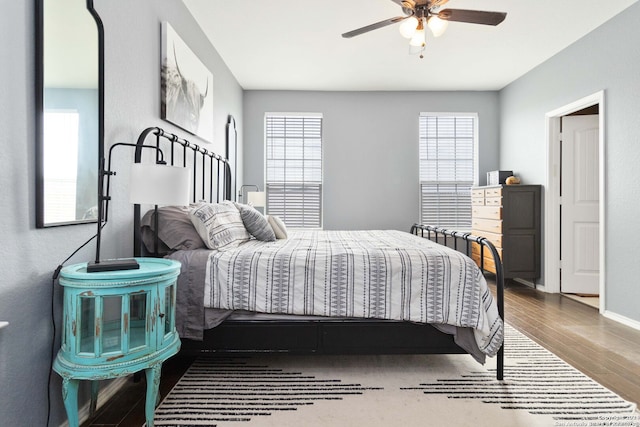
x=297, y=45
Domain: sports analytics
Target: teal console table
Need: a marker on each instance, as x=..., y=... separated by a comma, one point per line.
x=116, y=323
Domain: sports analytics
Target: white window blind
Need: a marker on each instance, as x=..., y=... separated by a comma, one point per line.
x=294, y=168
x=447, y=169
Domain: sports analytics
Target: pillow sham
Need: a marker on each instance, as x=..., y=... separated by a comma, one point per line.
x=278, y=226
x=256, y=223
x=219, y=224
x=175, y=230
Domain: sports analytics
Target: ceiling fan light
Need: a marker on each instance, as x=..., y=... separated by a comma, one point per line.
x=408, y=27
x=418, y=38
x=437, y=26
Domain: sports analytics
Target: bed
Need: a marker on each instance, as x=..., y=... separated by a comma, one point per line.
x=320, y=291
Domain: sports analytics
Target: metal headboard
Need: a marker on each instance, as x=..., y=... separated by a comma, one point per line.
x=211, y=173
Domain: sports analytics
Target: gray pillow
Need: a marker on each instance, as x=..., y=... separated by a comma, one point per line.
x=255, y=223
x=175, y=230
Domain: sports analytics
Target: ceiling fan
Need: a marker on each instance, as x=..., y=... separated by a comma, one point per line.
x=419, y=13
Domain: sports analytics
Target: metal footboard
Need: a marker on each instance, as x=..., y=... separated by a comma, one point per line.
x=442, y=236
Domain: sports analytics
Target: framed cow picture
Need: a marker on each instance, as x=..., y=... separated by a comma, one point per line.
x=187, y=87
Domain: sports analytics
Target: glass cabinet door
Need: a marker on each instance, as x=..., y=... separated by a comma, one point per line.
x=138, y=337
x=87, y=322
x=111, y=324
x=167, y=320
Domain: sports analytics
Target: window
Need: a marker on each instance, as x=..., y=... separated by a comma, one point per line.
x=447, y=168
x=294, y=168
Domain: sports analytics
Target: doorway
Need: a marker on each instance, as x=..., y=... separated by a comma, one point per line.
x=574, y=243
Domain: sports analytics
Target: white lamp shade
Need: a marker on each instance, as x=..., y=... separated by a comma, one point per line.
x=159, y=184
x=257, y=199
x=408, y=27
x=437, y=26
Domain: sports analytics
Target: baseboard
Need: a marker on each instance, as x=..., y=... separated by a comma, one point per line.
x=103, y=396
x=622, y=319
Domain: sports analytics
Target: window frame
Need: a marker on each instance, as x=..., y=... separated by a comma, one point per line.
x=475, y=173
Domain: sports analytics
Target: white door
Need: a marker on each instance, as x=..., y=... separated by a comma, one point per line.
x=580, y=245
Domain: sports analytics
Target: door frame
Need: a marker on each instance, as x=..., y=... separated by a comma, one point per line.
x=552, y=193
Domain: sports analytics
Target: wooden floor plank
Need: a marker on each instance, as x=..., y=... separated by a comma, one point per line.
x=605, y=350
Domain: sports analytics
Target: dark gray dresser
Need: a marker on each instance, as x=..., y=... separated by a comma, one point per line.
x=509, y=216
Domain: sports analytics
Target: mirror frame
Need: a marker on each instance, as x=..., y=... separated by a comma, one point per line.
x=39, y=109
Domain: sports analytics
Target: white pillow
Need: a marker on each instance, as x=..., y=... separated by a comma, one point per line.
x=278, y=226
x=219, y=224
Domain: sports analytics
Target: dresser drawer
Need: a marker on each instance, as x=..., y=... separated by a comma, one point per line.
x=493, y=192
x=490, y=225
x=493, y=201
x=477, y=192
x=477, y=201
x=487, y=265
x=494, y=238
x=487, y=212
x=476, y=249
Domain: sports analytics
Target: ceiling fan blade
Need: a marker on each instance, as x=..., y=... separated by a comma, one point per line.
x=472, y=16
x=374, y=26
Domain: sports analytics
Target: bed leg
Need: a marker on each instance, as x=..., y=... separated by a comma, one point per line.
x=500, y=364
x=500, y=296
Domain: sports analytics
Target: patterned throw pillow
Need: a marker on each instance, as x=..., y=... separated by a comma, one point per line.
x=278, y=226
x=219, y=224
x=255, y=223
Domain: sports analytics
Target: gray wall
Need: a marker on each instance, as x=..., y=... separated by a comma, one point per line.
x=607, y=59
x=370, y=142
x=28, y=255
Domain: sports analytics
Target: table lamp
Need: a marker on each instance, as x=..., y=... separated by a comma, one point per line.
x=149, y=183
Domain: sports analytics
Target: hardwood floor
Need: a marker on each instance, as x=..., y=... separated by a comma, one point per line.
x=603, y=349
x=607, y=351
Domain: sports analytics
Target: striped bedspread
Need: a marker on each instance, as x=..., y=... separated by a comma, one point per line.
x=368, y=274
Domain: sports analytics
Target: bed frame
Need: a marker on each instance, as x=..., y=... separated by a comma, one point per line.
x=212, y=182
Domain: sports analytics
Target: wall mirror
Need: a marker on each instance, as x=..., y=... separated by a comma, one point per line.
x=69, y=111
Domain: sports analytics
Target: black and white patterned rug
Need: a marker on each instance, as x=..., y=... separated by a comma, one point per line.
x=417, y=390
